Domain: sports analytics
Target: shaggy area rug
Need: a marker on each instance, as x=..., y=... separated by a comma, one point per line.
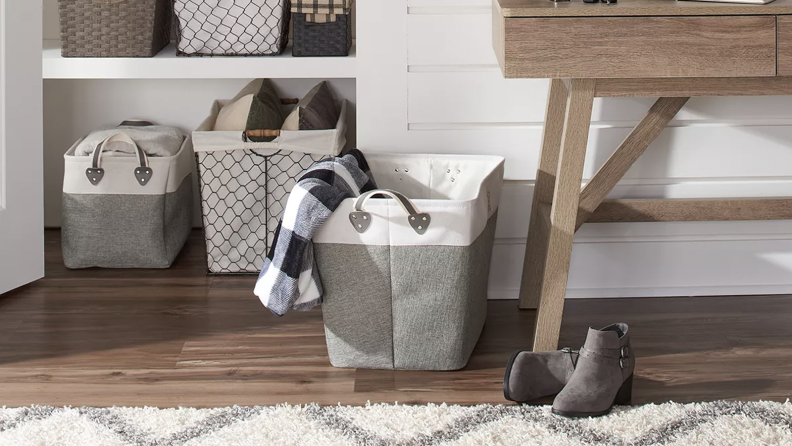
x=718, y=423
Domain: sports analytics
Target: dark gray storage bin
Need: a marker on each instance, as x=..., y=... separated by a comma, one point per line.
x=322, y=27
x=322, y=39
x=119, y=28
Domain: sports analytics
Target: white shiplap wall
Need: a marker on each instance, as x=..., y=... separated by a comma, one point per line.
x=431, y=83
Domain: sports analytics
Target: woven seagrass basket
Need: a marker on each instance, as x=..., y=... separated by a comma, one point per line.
x=114, y=28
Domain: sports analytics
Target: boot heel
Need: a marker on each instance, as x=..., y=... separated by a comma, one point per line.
x=624, y=396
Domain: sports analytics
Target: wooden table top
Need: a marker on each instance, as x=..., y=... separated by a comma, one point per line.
x=576, y=8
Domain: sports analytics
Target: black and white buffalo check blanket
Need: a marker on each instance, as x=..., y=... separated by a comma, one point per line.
x=289, y=279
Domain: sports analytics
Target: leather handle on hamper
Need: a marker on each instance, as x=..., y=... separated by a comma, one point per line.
x=95, y=173
x=361, y=220
x=262, y=133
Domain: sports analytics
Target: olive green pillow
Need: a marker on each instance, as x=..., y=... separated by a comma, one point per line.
x=256, y=107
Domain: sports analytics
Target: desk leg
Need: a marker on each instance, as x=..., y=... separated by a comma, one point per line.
x=538, y=232
x=563, y=213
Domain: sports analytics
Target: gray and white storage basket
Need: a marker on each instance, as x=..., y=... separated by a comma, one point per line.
x=245, y=185
x=232, y=27
x=405, y=280
x=126, y=211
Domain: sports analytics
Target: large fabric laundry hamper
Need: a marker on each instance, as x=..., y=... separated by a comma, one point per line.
x=405, y=271
x=126, y=211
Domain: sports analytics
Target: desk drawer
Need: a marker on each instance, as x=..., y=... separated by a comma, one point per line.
x=610, y=47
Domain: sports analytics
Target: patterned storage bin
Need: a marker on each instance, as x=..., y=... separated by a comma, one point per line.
x=232, y=27
x=118, y=28
x=322, y=27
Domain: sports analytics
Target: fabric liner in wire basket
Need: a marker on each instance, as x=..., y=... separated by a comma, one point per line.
x=245, y=186
x=232, y=27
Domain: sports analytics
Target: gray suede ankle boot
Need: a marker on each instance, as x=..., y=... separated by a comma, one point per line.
x=602, y=377
x=533, y=375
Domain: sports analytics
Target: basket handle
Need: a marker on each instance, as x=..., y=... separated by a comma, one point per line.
x=95, y=173
x=262, y=133
x=361, y=220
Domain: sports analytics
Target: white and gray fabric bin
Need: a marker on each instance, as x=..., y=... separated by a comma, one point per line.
x=126, y=211
x=405, y=280
x=245, y=186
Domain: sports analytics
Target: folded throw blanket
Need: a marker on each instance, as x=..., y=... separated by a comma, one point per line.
x=154, y=140
x=289, y=279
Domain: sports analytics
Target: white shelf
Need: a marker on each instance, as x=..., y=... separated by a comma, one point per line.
x=166, y=65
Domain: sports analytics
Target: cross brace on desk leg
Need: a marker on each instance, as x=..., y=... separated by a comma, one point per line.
x=549, y=247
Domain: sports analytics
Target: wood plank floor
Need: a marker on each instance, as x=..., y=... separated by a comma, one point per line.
x=178, y=337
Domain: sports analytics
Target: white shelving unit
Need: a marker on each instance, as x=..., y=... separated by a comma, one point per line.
x=166, y=65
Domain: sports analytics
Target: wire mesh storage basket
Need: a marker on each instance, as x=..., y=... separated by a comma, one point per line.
x=245, y=186
x=232, y=27
x=243, y=193
x=114, y=28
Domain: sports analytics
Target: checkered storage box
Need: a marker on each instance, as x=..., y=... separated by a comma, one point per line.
x=245, y=186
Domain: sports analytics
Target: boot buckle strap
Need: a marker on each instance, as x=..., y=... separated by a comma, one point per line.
x=624, y=355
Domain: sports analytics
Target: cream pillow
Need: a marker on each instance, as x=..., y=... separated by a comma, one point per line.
x=234, y=116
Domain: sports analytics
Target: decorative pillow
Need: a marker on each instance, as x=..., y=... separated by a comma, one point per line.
x=316, y=111
x=256, y=107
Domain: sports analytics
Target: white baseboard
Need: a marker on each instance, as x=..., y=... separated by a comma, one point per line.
x=658, y=269
x=604, y=293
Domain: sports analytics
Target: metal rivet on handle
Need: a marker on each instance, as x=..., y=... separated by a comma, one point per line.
x=424, y=219
x=448, y=171
x=365, y=218
x=355, y=217
x=420, y=227
x=360, y=226
x=406, y=170
x=452, y=180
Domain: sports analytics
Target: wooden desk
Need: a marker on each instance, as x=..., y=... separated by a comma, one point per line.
x=633, y=48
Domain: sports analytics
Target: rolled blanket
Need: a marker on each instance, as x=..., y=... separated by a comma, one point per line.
x=154, y=140
x=289, y=278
